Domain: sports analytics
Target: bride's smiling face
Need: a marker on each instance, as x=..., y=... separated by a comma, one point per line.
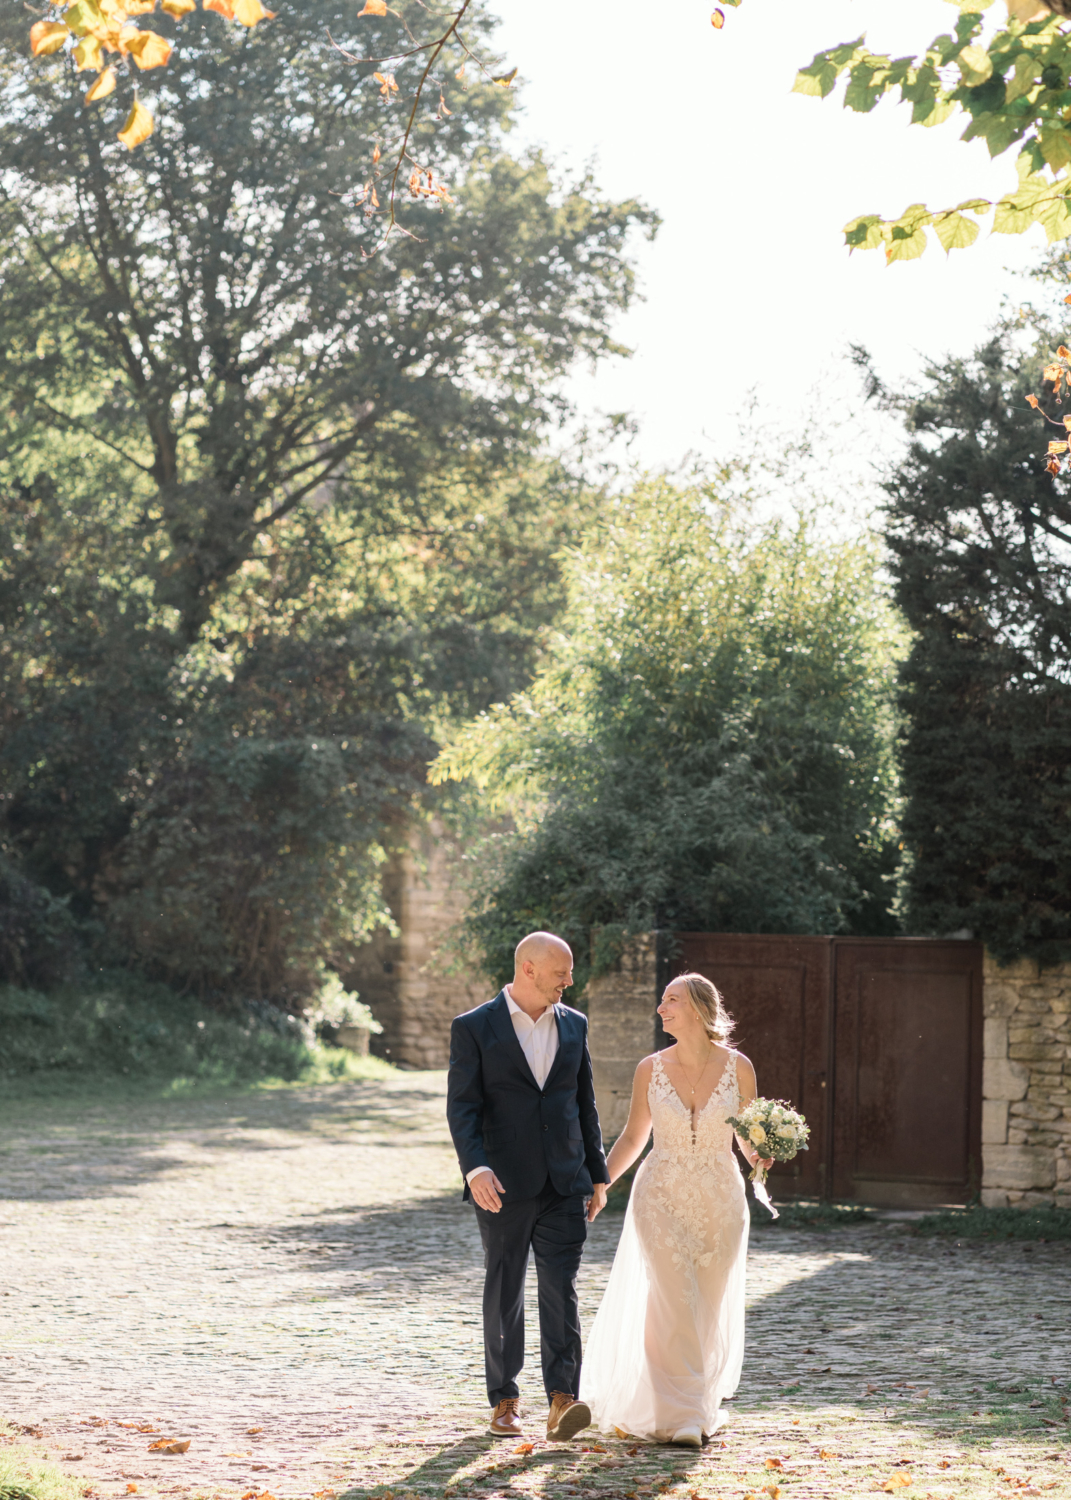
x=678, y=1012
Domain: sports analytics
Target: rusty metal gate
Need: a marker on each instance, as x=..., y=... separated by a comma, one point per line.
x=878, y=1041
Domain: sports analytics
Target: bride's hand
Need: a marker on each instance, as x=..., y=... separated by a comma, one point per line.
x=597, y=1201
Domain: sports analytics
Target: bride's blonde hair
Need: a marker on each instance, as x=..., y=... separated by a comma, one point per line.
x=709, y=1006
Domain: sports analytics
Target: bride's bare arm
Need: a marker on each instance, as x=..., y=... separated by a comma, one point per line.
x=749, y=1089
x=633, y=1138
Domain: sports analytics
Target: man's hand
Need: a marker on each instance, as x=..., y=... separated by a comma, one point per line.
x=485, y=1188
x=597, y=1202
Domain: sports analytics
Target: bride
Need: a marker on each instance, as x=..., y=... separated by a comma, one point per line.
x=668, y=1340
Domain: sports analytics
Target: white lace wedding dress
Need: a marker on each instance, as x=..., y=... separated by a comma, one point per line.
x=667, y=1343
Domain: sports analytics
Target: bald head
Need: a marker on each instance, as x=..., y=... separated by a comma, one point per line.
x=542, y=969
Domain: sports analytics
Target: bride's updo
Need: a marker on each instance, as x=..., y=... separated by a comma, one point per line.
x=710, y=1007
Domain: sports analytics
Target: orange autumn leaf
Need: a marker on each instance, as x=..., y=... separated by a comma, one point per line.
x=1063, y=352
x=1051, y=372
x=775, y=1463
x=169, y=1445
x=826, y=1453
x=138, y=126
x=249, y=12
x=149, y=49
x=1055, y=447
x=221, y=7
x=774, y=1491
x=1032, y=401
x=102, y=86
x=131, y=1489
x=1053, y=466
x=525, y=1448
x=897, y=1482
x=253, y=1430
x=374, y=8
x=717, y=20
x=47, y=37
x=387, y=85
x=178, y=8
x=1067, y=299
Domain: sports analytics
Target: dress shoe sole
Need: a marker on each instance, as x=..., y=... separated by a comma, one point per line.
x=573, y=1420
x=505, y=1432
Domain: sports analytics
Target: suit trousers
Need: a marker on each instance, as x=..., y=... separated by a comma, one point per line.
x=554, y=1227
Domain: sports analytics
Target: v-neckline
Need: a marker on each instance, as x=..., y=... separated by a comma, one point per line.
x=694, y=1117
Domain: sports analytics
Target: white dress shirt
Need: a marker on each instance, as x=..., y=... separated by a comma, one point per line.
x=539, y=1043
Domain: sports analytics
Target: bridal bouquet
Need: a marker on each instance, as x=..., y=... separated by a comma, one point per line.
x=775, y=1129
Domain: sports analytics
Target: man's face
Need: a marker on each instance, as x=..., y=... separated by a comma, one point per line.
x=552, y=973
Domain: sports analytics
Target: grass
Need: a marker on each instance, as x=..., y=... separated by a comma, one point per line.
x=976, y=1223
x=25, y=1477
x=116, y=1027
x=808, y=1215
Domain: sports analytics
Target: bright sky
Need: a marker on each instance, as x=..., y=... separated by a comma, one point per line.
x=748, y=283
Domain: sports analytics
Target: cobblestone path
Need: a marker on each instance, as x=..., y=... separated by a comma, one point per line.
x=288, y=1278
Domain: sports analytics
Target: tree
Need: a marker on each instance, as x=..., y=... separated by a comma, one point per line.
x=709, y=745
x=273, y=508
x=980, y=541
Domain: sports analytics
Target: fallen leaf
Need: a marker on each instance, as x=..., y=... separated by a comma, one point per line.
x=774, y=1491
x=131, y=1489
x=47, y=37
x=169, y=1445
x=775, y=1463
x=138, y=126
x=897, y=1482
x=252, y=1431
x=826, y=1453
x=717, y=20
x=944, y=1464
x=374, y=8
x=100, y=88
x=624, y=1435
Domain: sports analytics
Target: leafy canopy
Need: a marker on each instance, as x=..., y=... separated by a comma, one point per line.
x=709, y=744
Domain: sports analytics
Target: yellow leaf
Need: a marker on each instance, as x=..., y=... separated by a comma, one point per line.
x=1057, y=448
x=386, y=82
x=138, y=7
x=89, y=54
x=897, y=1482
x=47, y=36
x=374, y=8
x=249, y=12
x=221, y=7
x=102, y=86
x=505, y=79
x=827, y=1453
x=138, y=126
x=717, y=20
x=1063, y=352
x=178, y=8
x=148, y=49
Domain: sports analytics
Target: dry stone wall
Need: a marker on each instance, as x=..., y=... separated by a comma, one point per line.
x=1026, y=1085
x=621, y=1027
x=407, y=978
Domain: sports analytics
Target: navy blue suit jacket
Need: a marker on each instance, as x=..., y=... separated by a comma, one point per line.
x=499, y=1116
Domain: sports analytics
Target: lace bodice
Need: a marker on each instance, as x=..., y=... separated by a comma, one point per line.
x=672, y=1119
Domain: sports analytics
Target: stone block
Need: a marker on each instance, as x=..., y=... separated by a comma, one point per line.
x=1028, y=1110
x=994, y=1122
x=995, y=1038
x=994, y=1198
x=1035, y=1051
x=1002, y=1079
x=999, y=999
x=1018, y=1168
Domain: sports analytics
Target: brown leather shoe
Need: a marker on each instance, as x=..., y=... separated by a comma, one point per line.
x=567, y=1417
x=506, y=1420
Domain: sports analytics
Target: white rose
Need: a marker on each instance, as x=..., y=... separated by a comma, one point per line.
x=787, y=1132
x=757, y=1135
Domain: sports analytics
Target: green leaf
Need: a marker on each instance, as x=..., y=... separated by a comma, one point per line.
x=816, y=81
x=1024, y=77
x=907, y=247
x=955, y=232
x=1055, y=218
x=864, y=233
x=975, y=65
x=867, y=86
x=1056, y=145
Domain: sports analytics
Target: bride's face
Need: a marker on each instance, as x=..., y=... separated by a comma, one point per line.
x=678, y=1012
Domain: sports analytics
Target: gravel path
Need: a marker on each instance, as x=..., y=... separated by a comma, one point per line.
x=288, y=1278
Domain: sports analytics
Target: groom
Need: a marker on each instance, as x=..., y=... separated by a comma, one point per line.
x=521, y=1107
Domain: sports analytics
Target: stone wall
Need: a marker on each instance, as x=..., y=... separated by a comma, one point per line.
x=1026, y=1086
x=406, y=979
x=621, y=1027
